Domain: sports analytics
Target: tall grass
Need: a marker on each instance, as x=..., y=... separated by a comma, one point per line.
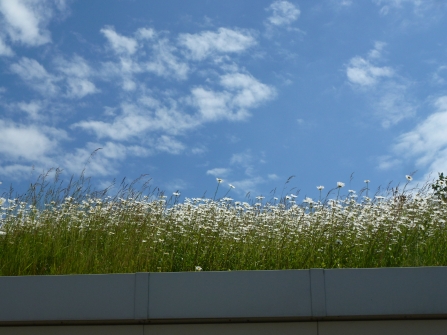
x=53, y=229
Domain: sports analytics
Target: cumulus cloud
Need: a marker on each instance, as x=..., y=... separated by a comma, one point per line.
x=425, y=146
x=241, y=92
x=36, y=76
x=219, y=172
x=30, y=143
x=168, y=144
x=4, y=49
x=419, y=6
x=164, y=63
x=209, y=43
x=440, y=75
x=100, y=159
x=145, y=121
x=361, y=72
x=393, y=104
x=146, y=52
x=119, y=43
x=31, y=108
x=77, y=74
x=250, y=180
x=428, y=140
x=388, y=91
x=282, y=13
x=26, y=21
x=136, y=121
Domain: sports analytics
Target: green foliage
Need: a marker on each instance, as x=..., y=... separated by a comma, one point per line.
x=440, y=187
x=55, y=231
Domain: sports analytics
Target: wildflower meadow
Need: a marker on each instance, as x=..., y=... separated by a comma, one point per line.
x=54, y=229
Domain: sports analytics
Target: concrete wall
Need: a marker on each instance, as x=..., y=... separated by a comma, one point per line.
x=316, y=301
x=409, y=327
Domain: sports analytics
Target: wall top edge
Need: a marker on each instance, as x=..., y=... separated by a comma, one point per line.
x=237, y=271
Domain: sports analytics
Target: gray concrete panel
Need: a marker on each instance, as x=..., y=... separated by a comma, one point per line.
x=317, y=292
x=141, y=296
x=404, y=327
x=232, y=294
x=76, y=297
x=73, y=330
x=386, y=291
x=279, y=328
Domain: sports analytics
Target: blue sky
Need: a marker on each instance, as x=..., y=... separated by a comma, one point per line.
x=249, y=91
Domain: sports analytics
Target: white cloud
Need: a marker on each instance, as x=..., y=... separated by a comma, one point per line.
x=101, y=162
x=209, y=43
x=213, y=105
x=145, y=33
x=283, y=13
x=428, y=139
x=439, y=77
x=168, y=144
x=394, y=105
x=251, y=181
x=219, y=172
x=165, y=63
x=25, y=21
x=241, y=92
x=77, y=74
x=426, y=144
x=388, y=91
x=4, y=49
x=248, y=91
x=146, y=53
x=346, y=2
x=419, y=6
x=120, y=44
x=146, y=116
x=30, y=143
x=31, y=108
x=35, y=75
x=361, y=72
x=376, y=53
x=139, y=121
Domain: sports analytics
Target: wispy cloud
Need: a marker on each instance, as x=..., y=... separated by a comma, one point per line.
x=120, y=44
x=145, y=52
x=71, y=78
x=144, y=121
x=25, y=21
x=427, y=143
x=241, y=92
x=77, y=74
x=219, y=172
x=36, y=76
x=32, y=108
x=283, y=13
x=4, y=49
x=362, y=72
x=419, y=7
x=387, y=90
x=28, y=143
x=209, y=43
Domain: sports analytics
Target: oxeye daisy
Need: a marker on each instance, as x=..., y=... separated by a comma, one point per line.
x=409, y=178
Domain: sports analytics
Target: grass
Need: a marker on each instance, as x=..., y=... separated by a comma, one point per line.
x=54, y=230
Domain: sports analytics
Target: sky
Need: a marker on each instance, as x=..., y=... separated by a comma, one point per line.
x=248, y=91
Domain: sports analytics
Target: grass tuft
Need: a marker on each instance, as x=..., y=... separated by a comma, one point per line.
x=55, y=230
